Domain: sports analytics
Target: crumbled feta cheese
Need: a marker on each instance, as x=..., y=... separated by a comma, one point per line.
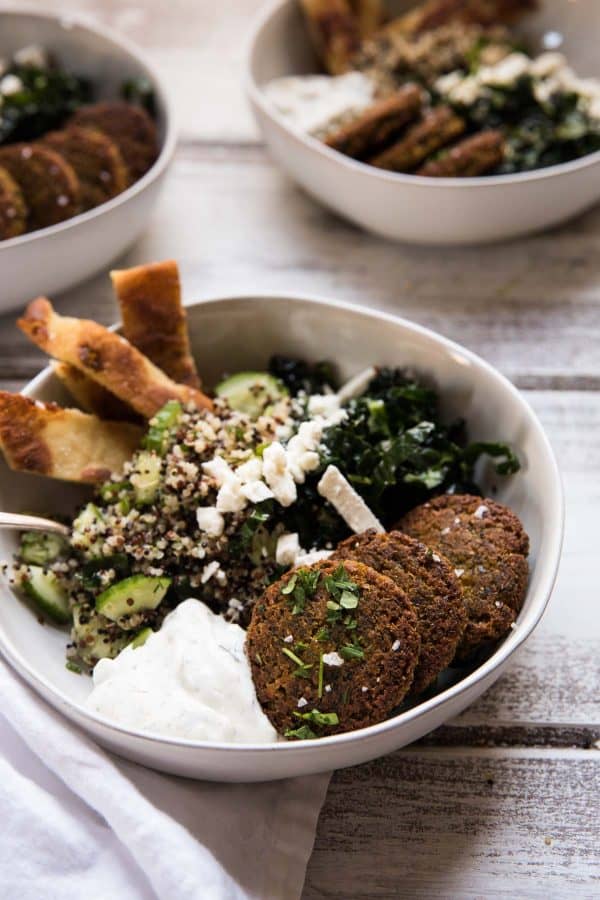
x=327, y=406
x=288, y=639
x=327, y=688
x=364, y=689
x=436, y=558
x=230, y=497
x=218, y=469
x=480, y=511
x=256, y=491
x=505, y=72
x=302, y=702
x=547, y=64
x=10, y=84
x=332, y=659
x=210, y=520
x=313, y=556
x=32, y=55
x=251, y=470
x=288, y=548
x=459, y=572
x=209, y=570
x=357, y=385
x=396, y=645
x=277, y=474
x=350, y=505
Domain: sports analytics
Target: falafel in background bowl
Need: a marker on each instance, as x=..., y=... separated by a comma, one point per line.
x=86, y=137
x=241, y=334
x=417, y=132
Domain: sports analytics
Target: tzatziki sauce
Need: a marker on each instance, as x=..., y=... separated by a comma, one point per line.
x=310, y=103
x=191, y=680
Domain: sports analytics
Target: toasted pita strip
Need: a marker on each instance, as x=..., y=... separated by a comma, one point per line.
x=154, y=319
x=106, y=357
x=369, y=14
x=334, y=31
x=90, y=395
x=436, y=13
x=44, y=439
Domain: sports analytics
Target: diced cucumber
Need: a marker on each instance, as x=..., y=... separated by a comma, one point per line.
x=91, y=642
x=134, y=594
x=251, y=392
x=140, y=638
x=41, y=547
x=84, y=527
x=47, y=593
x=146, y=477
x=161, y=424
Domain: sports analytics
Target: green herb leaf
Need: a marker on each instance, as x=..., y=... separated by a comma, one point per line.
x=291, y=584
x=319, y=718
x=303, y=733
x=352, y=651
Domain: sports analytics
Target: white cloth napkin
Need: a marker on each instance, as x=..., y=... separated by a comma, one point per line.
x=79, y=822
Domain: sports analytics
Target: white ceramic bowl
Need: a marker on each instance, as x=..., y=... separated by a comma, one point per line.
x=411, y=208
x=236, y=333
x=55, y=258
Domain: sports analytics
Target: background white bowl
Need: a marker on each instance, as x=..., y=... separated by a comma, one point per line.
x=412, y=208
x=241, y=333
x=55, y=258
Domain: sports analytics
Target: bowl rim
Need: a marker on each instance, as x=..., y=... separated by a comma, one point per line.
x=257, y=98
x=554, y=515
x=87, y=23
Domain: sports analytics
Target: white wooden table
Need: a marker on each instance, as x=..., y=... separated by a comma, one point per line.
x=503, y=801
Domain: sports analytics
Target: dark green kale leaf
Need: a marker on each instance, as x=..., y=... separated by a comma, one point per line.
x=298, y=375
x=46, y=99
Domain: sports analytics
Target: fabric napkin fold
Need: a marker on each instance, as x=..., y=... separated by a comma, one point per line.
x=79, y=822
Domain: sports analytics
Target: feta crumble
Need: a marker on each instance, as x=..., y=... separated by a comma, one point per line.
x=335, y=488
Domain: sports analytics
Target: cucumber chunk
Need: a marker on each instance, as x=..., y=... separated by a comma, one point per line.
x=161, y=424
x=251, y=392
x=140, y=638
x=134, y=594
x=40, y=547
x=47, y=593
x=146, y=478
x=91, y=640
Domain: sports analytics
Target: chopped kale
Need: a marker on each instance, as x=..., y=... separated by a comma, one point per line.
x=46, y=99
x=140, y=92
x=298, y=375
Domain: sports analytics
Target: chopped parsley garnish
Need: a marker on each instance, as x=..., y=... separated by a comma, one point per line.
x=301, y=587
x=304, y=733
x=322, y=635
x=342, y=589
x=303, y=670
x=352, y=651
x=320, y=680
x=161, y=425
x=318, y=718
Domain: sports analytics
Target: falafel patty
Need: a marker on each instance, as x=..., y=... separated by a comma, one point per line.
x=332, y=647
x=430, y=583
x=129, y=126
x=48, y=182
x=488, y=547
x=13, y=211
x=469, y=158
x=96, y=159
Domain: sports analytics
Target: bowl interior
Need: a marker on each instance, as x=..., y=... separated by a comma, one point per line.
x=238, y=333
x=82, y=49
x=282, y=46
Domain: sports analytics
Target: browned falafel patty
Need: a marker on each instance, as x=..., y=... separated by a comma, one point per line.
x=474, y=156
x=13, y=211
x=429, y=582
x=335, y=640
x=96, y=159
x=129, y=126
x=488, y=547
x=49, y=184
x=436, y=129
x=378, y=124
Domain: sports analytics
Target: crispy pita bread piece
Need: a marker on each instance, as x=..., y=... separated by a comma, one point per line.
x=44, y=439
x=370, y=14
x=107, y=358
x=435, y=13
x=91, y=396
x=154, y=319
x=334, y=32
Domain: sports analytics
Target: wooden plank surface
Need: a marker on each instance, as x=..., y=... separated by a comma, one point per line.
x=503, y=800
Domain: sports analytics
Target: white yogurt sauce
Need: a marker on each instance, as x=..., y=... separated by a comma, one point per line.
x=309, y=103
x=191, y=680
